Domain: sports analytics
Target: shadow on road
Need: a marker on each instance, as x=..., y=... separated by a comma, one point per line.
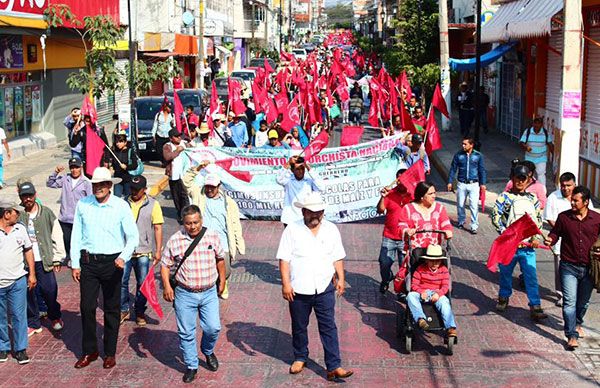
x=163, y=345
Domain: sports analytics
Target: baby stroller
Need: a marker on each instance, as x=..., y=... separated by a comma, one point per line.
x=405, y=325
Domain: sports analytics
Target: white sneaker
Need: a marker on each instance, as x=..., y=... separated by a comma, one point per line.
x=31, y=331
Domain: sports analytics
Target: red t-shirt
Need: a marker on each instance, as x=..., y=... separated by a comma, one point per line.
x=394, y=202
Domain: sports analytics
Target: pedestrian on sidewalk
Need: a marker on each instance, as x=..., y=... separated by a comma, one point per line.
x=48, y=252
x=412, y=152
x=295, y=187
x=483, y=109
x=164, y=122
x=172, y=157
x=392, y=245
x=537, y=141
x=221, y=214
x=578, y=230
x=104, y=237
x=15, y=282
x=195, y=258
x=148, y=217
x=469, y=167
x=466, y=108
x=509, y=207
x=8, y=155
x=74, y=186
x=310, y=258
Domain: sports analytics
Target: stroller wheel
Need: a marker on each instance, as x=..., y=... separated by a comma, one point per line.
x=408, y=344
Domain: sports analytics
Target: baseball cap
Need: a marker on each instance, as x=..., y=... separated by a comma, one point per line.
x=26, y=188
x=174, y=133
x=212, y=180
x=521, y=171
x=75, y=162
x=416, y=138
x=273, y=134
x=138, y=182
x=8, y=204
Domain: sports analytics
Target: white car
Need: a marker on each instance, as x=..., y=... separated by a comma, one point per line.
x=247, y=75
x=300, y=53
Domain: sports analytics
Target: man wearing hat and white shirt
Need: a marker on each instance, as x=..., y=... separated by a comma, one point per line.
x=239, y=132
x=74, y=186
x=221, y=131
x=310, y=261
x=171, y=155
x=219, y=213
x=15, y=248
x=296, y=186
x=104, y=238
x=149, y=220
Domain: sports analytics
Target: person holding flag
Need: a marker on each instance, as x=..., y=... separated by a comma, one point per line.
x=469, y=165
x=412, y=152
x=510, y=207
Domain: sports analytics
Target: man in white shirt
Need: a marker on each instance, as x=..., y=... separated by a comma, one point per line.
x=558, y=202
x=296, y=186
x=310, y=261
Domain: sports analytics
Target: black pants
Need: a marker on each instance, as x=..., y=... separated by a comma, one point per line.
x=48, y=288
x=180, y=197
x=96, y=274
x=160, y=143
x=67, y=229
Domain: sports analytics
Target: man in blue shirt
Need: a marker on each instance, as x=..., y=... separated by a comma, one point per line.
x=104, y=238
x=536, y=142
x=472, y=178
x=411, y=152
x=239, y=132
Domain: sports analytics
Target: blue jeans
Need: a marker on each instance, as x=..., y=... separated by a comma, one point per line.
x=13, y=299
x=140, y=267
x=76, y=154
x=48, y=290
x=442, y=305
x=188, y=306
x=390, y=249
x=526, y=259
x=121, y=190
x=471, y=191
x=577, y=286
x=324, y=306
x=1, y=169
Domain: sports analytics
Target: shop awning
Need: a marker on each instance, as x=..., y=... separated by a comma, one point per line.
x=186, y=44
x=521, y=19
x=486, y=59
x=224, y=50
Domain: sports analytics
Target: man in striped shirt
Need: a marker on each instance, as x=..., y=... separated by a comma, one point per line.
x=536, y=142
x=196, y=292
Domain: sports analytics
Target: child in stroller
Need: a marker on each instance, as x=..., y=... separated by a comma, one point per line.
x=430, y=284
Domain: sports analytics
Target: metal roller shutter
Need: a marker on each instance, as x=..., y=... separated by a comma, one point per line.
x=122, y=96
x=592, y=97
x=554, y=72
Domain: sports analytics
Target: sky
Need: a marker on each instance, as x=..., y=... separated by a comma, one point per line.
x=329, y=3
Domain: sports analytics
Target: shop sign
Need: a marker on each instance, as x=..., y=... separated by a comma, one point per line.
x=571, y=105
x=11, y=51
x=20, y=7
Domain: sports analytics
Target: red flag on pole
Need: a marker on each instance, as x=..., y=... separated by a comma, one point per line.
x=412, y=177
x=235, y=97
x=438, y=101
x=351, y=135
x=433, y=141
x=88, y=109
x=268, y=67
x=281, y=100
x=213, y=108
x=291, y=116
x=148, y=288
x=178, y=112
x=316, y=145
x=405, y=84
x=504, y=246
x=482, y=198
x=407, y=123
x=94, y=149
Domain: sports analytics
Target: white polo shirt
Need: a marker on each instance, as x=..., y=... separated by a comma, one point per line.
x=12, y=245
x=311, y=257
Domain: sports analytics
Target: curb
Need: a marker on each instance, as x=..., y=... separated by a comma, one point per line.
x=159, y=187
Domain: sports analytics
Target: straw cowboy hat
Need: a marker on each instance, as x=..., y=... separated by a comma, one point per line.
x=102, y=174
x=312, y=202
x=434, y=252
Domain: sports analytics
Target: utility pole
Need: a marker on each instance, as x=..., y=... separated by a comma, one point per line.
x=252, y=27
x=444, y=61
x=570, y=115
x=477, y=90
x=200, y=61
x=290, y=23
x=280, y=16
x=131, y=46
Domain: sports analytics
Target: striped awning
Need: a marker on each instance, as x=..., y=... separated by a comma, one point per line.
x=521, y=19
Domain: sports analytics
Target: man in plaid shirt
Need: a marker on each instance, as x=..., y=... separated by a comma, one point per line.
x=196, y=291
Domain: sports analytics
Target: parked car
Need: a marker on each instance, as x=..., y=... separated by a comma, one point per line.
x=260, y=62
x=247, y=75
x=146, y=109
x=222, y=84
x=197, y=98
x=300, y=53
x=318, y=39
x=309, y=47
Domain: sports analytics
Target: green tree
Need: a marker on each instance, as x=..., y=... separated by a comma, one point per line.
x=145, y=75
x=340, y=16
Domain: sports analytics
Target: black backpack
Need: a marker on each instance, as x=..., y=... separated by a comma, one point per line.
x=529, y=133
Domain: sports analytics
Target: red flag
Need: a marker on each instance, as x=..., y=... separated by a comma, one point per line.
x=178, y=112
x=285, y=57
x=351, y=135
x=235, y=97
x=433, y=141
x=316, y=145
x=482, y=198
x=342, y=91
x=504, y=246
x=281, y=100
x=438, y=101
x=268, y=67
x=374, y=111
x=412, y=177
x=94, y=149
x=291, y=116
x=225, y=164
x=213, y=108
x=148, y=288
x=405, y=84
x=270, y=110
x=88, y=109
x=407, y=123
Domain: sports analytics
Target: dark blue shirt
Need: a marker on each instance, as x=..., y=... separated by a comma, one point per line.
x=470, y=167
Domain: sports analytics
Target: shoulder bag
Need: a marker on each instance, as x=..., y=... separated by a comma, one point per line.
x=187, y=253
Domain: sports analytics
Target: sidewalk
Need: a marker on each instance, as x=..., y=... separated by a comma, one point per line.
x=40, y=165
